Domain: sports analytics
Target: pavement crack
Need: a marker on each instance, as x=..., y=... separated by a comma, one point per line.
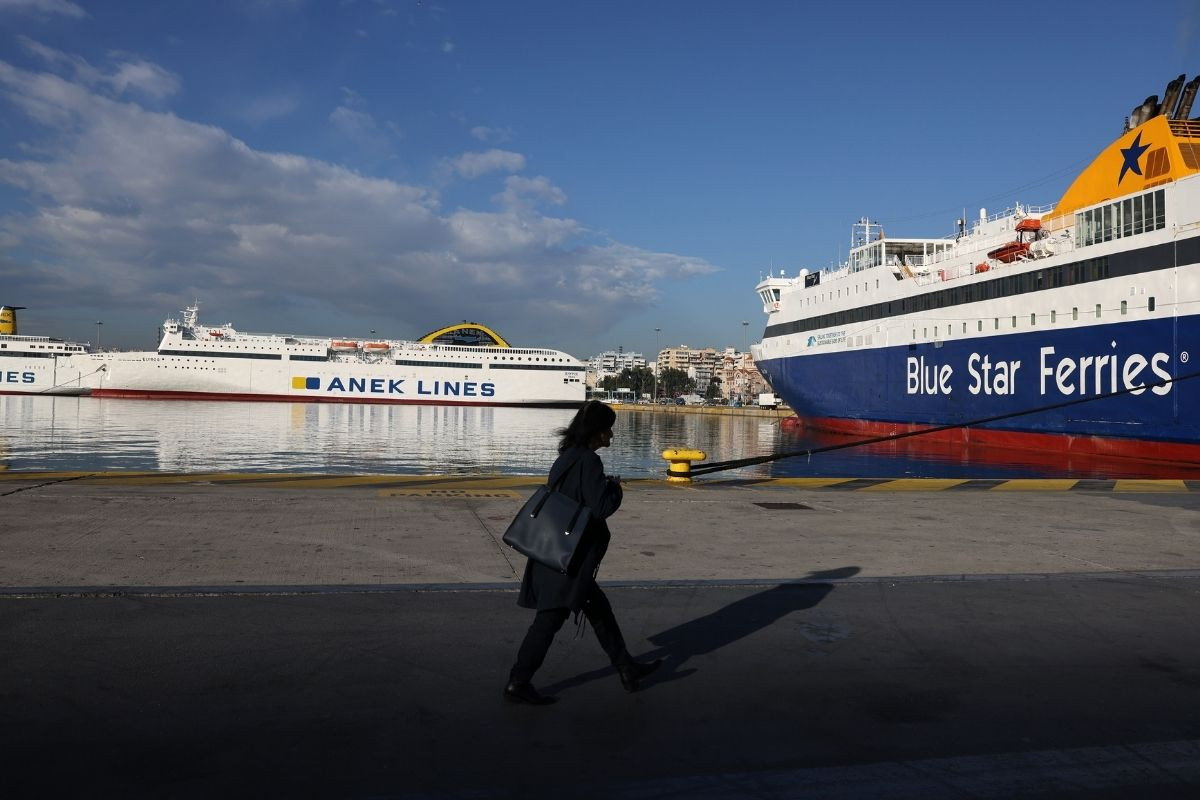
x=500, y=547
x=48, y=483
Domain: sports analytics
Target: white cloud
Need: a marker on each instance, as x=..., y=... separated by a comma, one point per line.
x=447, y=47
x=130, y=73
x=353, y=121
x=45, y=7
x=474, y=164
x=519, y=191
x=140, y=210
x=486, y=134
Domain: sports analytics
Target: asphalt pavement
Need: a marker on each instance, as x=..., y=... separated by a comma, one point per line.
x=864, y=645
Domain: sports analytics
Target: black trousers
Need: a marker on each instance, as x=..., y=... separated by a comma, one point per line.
x=546, y=623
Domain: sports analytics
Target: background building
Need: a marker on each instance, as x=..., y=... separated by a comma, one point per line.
x=610, y=363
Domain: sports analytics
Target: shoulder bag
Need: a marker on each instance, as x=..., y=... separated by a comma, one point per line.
x=549, y=526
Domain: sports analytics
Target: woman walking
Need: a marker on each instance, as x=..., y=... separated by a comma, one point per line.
x=555, y=595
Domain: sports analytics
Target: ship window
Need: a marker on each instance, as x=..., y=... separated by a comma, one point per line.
x=1138, y=217
x=964, y=327
x=997, y=321
x=776, y=293
x=1150, y=304
x=1124, y=307
x=1160, y=211
x=925, y=333
x=1053, y=317
x=980, y=328
x=1075, y=313
x=1127, y=218
x=1033, y=318
x=1014, y=320
x=1097, y=311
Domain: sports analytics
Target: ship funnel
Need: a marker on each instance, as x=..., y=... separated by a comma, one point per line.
x=1185, y=102
x=1171, y=96
x=1145, y=111
x=8, y=319
x=1149, y=108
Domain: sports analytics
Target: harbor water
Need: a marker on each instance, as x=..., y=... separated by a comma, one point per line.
x=93, y=434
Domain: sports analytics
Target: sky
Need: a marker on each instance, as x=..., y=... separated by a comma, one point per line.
x=573, y=173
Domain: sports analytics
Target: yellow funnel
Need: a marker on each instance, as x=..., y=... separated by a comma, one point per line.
x=8, y=319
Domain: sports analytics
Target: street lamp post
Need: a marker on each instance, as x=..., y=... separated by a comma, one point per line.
x=657, y=350
x=98, y=324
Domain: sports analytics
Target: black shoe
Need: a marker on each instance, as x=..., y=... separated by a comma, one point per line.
x=523, y=692
x=631, y=675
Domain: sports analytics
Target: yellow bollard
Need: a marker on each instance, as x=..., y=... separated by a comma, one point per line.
x=680, y=469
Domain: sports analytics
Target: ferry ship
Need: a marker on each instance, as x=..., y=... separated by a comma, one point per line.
x=464, y=364
x=1094, y=298
x=41, y=364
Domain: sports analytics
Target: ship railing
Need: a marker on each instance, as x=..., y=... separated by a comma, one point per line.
x=968, y=264
x=1018, y=210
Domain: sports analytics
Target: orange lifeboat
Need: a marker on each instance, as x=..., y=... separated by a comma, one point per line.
x=1029, y=224
x=377, y=347
x=1009, y=252
x=981, y=268
x=216, y=334
x=342, y=347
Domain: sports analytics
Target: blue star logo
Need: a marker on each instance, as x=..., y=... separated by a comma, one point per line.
x=1131, y=155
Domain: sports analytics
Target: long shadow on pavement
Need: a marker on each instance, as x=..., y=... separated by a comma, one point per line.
x=722, y=627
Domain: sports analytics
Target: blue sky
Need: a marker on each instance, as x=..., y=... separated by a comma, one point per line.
x=574, y=174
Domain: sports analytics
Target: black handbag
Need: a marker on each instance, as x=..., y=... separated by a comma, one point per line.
x=549, y=526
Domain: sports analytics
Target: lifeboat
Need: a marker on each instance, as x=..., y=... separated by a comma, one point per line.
x=1009, y=252
x=377, y=347
x=216, y=334
x=343, y=347
x=981, y=268
x=1029, y=224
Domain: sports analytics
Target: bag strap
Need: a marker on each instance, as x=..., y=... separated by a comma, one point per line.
x=565, y=472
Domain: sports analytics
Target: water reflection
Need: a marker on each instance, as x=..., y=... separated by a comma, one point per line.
x=80, y=433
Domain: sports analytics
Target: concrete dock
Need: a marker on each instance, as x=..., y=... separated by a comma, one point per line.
x=318, y=636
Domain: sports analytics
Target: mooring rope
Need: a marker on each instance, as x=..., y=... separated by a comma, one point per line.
x=100, y=368
x=720, y=466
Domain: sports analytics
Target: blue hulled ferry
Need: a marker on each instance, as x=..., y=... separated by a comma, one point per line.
x=1095, y=298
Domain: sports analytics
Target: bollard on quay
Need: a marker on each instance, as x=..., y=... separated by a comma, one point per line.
x=680, y=468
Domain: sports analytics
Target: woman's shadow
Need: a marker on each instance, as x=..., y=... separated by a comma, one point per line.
x=722, y=627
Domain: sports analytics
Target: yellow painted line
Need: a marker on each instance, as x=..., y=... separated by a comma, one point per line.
x=448, y=493
x=805, y=483
x=914, y=485
x=1035, y=485
x=1150, y=486
x=496, y=482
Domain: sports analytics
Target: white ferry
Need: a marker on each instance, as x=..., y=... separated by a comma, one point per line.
x=1096, y=296
x=42, y=365
x=463, y=364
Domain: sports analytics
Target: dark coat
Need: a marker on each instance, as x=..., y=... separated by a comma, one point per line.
x=544, y=588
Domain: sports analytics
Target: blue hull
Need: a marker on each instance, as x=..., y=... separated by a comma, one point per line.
x=956, y=382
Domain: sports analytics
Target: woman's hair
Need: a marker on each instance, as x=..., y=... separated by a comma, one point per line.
x=590, y=420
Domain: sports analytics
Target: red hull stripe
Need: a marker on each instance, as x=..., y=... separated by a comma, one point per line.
x=1057, y=443
x=129, y=394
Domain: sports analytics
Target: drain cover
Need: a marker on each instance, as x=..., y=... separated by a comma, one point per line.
x=784, y=506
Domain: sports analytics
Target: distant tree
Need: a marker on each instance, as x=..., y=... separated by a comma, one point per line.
x=674, y=382
x=639, y=379
x=714, y=388
x=609, y=383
